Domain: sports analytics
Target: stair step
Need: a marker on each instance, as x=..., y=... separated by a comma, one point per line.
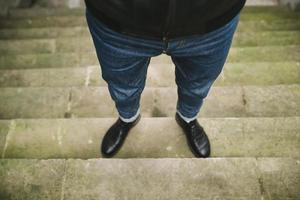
x=270, y=16
x=218, y=178
x=41, y=22
x=249, y=27
x=266, y=38
x=70, y=21
x=43, y=12
x=54, y=60
x=85, y=44
x=158, y=75
x=263, y=25
x=46, y=12
x=236, y=101
x=81, y=138
x=60, y=32
x=262, y=3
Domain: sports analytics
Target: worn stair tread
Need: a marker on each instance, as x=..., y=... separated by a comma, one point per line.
x=54, y=105
x=78, y=31
x=158, y=75
x=55, y=60
x=15, y=13
x=264, y=4
x=85, y=44
x=226, y=178
x=69, y=21
x=227, y=101
x=150, y=138
x=39, y=12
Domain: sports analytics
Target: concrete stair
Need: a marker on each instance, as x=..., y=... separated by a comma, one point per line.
x=253, y=26
x=81, y=138
x=31, y=19
x=55, y=108
x=84, y=44
x=79, y=59
x=224, y=101
x=219, y=178
x=159, y=75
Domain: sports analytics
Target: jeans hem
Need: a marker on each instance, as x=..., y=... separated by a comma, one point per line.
x=187, y=119
x=131, y=119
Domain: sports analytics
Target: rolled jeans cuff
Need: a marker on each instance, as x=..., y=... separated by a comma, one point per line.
x=187, y=119
x=131, y=119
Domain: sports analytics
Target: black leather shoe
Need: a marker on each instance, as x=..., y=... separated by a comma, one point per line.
x=115, y=137
x=197, y=139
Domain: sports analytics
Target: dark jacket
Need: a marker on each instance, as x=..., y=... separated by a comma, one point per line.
x=158, y=19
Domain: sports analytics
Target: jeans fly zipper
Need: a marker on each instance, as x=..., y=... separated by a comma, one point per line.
x=170, y=11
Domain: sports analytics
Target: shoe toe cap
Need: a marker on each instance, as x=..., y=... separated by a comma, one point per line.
x=108, y=148
x=106, y=151
x=204, y=152
x=203, y=149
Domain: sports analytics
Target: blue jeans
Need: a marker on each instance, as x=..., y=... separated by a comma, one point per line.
x=124, y=60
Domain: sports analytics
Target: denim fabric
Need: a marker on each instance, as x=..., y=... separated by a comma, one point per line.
x=124, y=61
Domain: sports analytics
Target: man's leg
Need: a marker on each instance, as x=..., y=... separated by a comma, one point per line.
x=124, y=61
x=198, y=63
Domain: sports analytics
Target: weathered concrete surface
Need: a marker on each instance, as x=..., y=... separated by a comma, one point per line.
x=60, y=11
x=266, y=38
x=38, y=12
x=94, y=100
x=279, y=179
x=59, y=138
x=27, y=46
x=258, y=175
x=262, y=3
x=77, y=44
x=159, y=75
x=264, y=54
x=33, y=102
x=4, y=129
x=38, y=61
x=263, y=25
x=156, y=102
x=270, y=16
x=60, y=3
x=51, y=21
x=31, y=179
x=234, y=101
x=293, y=4
x=85, y=44
x=214, y=178
x=49, y=32
x=164, y=179
x=46, y=77
x=269, y=73
x=82, y=31
x=230, y=101
x=6, y=5
x=221, y=102
x=273, y=101
x=154, y=138
x=58, y=60
x=73, y=20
